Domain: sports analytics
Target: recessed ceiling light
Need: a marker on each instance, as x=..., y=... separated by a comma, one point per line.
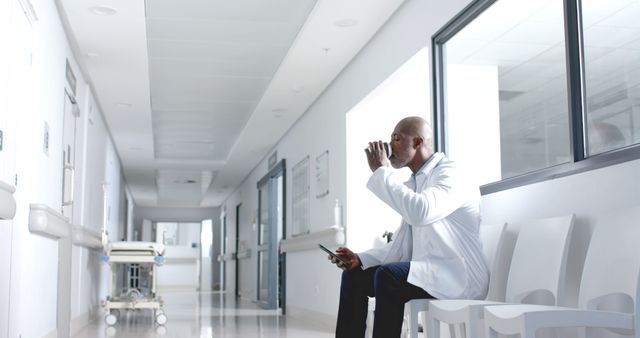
x=346, y=23
x=297, y=89
x=93, y=55
x=280, y=110
x=124, y=105
x=102, y=10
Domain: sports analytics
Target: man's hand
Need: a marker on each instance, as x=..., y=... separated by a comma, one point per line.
x=376, y=155
x=352, y=260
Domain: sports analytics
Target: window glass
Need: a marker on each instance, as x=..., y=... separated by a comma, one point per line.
x=506, y=90
x=612, y=73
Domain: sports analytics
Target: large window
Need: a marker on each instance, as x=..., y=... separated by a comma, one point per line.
x=612, y=69
x=522, y=94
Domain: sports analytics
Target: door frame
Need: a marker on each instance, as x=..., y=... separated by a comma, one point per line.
x=237, y=281
x=277, y=261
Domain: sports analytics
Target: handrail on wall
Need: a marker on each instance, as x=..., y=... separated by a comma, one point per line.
x=48, y=222
x=86, y=237
x=330, y=237
x=7, y=201
x=244, y=254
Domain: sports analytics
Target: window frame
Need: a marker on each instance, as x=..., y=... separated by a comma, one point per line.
x=578, y=161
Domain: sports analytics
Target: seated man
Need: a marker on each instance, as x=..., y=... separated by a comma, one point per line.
x=436, y=252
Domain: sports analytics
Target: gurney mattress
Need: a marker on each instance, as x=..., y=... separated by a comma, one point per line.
x=135, y=248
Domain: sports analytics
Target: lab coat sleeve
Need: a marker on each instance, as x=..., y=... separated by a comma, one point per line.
x=421, y=208
x=375, y=256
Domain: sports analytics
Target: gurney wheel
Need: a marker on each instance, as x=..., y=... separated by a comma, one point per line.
x=161, y=319
x=111, y=319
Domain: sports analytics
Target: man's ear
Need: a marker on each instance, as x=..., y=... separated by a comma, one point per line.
x=418, y=142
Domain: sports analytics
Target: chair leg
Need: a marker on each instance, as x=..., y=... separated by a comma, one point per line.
x=433, y=327
x=473, y=329
x=424, y=319
x=529, y=333
x=490, y=333
x=453, y=332
x=413, y=320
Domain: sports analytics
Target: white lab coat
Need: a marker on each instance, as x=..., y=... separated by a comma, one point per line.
x=439, y=230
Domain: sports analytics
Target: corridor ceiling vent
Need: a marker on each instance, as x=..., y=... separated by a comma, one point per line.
x=182, y=187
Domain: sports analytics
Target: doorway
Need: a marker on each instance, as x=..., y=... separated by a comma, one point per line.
x=71, y=112
x=271, y=221
x=223, y=251
x=237, y=292
x=206, y=255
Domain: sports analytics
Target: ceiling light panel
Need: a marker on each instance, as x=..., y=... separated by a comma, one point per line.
x=218, y=51
x=222, y=31
x=210, y=63
x=193, y=135
x=205, y=67
x=237, y=10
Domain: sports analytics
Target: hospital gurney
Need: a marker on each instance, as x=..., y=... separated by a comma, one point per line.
x=137, y=261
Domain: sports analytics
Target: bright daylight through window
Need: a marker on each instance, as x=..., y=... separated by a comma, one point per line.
x=404, y=93
x=504, y=87
x=506, y=90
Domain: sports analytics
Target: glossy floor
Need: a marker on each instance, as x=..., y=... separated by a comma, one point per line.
x=205, y=315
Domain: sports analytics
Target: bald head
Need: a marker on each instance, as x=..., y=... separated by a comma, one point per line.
x=412, y=143
x=416, y=126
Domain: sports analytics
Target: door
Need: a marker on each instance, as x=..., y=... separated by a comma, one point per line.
x=271, y=264
x=237, y=248
x=71, y=113
x=206, y=252
x=223, y=252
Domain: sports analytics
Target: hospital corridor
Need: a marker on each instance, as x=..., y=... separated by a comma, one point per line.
x=319, y=168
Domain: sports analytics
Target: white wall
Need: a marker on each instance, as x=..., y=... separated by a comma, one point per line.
x=7, y=156
x=36, y=96
x=323, y=127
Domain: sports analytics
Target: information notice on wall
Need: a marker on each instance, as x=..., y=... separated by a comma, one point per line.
x=300, y=193
x=322, y=174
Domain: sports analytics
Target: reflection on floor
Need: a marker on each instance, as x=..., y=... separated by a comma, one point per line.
x=205, y=315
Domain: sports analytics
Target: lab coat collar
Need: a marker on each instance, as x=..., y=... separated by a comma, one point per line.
x=430, y=164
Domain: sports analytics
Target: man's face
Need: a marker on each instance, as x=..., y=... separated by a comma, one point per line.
x=403, y=148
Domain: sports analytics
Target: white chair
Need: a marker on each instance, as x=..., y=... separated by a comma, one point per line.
x=493, y=241
x=371, y=307
x=536, y=275
x=609, y=288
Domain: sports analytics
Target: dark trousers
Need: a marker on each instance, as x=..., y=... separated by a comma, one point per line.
x=388, y=284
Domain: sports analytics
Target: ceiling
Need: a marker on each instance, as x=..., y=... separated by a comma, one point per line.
x=196, y=93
